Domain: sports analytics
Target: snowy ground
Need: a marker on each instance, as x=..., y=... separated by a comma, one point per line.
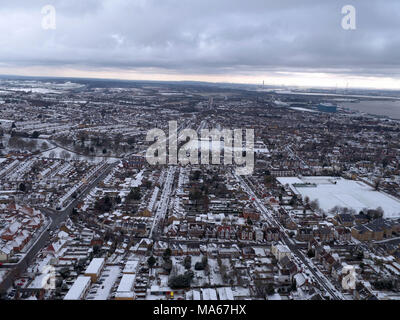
x=345, y=193
x=38, y=144
x=109, y=277
x=57, y=154
x=200, y=279
x=219, y=145
x=303, y=109
x=215, y=275
x=3, y=272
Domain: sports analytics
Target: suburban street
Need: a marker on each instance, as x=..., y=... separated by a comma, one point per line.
x=57, y=218
x=322, y=280
x=163, y=203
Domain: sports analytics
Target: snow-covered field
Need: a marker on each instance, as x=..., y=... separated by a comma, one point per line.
x=219, y=145
x=332, y=192
x=57, y=153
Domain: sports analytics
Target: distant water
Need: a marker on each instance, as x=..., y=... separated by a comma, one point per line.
x=389, y=109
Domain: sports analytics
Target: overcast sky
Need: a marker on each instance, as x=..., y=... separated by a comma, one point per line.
x=282, y=42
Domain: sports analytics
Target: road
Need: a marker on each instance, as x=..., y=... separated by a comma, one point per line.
x=163, y=203
x=294, y=154
x=319, y=277
x=61, y=216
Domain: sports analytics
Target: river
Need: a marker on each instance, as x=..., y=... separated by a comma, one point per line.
x=390, y=109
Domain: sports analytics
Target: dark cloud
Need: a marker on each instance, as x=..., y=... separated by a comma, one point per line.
x=204, y=36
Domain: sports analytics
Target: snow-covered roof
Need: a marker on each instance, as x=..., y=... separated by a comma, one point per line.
x=95, y=266
x=126, y=283
x=131, y=266
x=78, y=288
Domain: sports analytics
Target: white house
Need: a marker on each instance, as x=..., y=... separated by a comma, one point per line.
x=280, y=251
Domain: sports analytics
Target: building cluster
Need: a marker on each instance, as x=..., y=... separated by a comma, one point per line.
x=19, y=228
x=108, y=225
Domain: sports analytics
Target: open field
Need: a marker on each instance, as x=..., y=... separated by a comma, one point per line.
x=332, y=192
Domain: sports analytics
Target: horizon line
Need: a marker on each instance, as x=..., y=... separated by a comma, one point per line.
x=5, y=75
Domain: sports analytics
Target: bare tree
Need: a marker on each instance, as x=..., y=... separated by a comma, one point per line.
x=64, y=154
x=44, y=145
x=314, y=205
x=377, y=184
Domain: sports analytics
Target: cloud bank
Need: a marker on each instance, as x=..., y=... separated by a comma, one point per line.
x=207, y=37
